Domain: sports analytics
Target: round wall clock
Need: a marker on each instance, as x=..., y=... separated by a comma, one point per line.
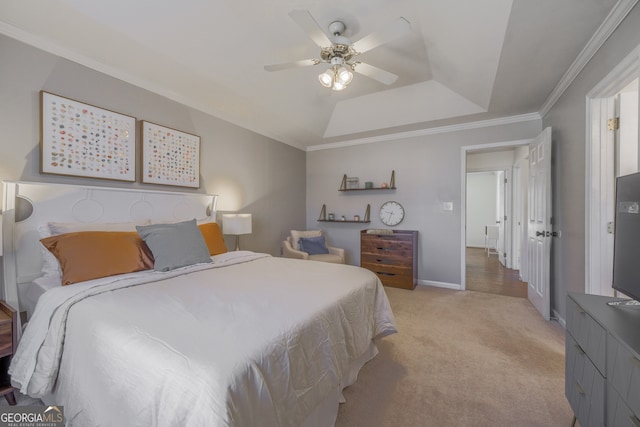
x=391, y=213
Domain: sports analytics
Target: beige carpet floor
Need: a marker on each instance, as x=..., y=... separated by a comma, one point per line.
x=462, y=358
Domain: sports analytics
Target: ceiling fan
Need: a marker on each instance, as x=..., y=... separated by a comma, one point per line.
x=341, y=53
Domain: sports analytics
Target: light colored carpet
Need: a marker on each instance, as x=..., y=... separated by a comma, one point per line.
x=462, y=358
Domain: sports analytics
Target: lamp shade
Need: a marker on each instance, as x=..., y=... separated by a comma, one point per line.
x=236, y=224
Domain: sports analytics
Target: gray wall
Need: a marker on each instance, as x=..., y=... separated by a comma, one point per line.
x=482, y=195
x=568, y=121
x=428, y=174
x=250, y=173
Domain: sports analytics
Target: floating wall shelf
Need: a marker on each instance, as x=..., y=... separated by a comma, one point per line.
x=365, y=220
x=392, y=184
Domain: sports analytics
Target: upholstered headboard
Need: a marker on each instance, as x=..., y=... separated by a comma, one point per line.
x=28, y=205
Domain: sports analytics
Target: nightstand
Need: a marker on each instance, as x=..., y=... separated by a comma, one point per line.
x=8, y=340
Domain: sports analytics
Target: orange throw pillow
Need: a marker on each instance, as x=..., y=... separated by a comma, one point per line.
x=87, y=255
x=213, y=238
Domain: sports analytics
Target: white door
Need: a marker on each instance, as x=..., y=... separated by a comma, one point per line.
x=500, y=216
x=539, y=224
x=516, y=223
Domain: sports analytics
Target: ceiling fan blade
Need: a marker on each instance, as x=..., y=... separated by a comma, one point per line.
x=304, y=19
x=397, y=28
x=375, y=73
x=293, y=64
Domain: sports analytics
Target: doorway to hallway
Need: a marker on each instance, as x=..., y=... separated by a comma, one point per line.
x=493, y=200
x=485, y=273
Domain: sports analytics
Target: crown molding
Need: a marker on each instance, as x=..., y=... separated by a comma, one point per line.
x=430, y=131
x=608, y=26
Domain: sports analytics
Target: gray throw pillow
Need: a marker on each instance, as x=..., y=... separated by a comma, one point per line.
x=313, y=245
x=175, y=245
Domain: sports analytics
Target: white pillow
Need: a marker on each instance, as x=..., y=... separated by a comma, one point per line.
x=50, y=264
x=296, y=235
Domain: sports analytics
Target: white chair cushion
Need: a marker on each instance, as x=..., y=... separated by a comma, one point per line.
x=296, y=235
x=326, y=258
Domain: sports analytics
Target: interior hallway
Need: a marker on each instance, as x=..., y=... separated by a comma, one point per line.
x=486, y=274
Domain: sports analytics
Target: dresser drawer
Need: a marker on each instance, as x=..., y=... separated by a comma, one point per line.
x=386, y=259
x=588, y=333
x=392, y=275
x=383, y=245
x=618, y=413
x=584, y=386
x=623, y=373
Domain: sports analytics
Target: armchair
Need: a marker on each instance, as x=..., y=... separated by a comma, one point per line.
x=291, y=248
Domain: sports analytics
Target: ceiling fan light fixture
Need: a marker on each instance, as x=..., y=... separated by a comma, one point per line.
x=326, y=78
x=344, y=75
x=338, y=86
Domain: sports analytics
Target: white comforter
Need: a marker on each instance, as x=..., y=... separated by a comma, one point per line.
x=248, y=340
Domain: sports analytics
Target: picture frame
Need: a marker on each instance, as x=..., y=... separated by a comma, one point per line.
x=82, y=140
x=169, y=156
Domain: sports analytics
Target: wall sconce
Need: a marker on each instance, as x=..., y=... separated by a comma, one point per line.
x=211, y=209
x=236, y=225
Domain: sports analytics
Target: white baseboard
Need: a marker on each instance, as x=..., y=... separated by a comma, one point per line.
x=560, y=320
x=453, y=286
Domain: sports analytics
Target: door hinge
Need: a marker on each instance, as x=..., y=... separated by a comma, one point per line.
x=505, y=180
x=505, y=254
x=505, y=217
x=613, y=124
x=610, y=227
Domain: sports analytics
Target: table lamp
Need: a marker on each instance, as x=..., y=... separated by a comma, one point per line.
x=235, y=225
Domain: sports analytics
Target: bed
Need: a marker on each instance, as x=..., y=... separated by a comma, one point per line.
x=242, y=339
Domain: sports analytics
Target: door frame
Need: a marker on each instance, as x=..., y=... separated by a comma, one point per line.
x=464, y=150
x=599, y=107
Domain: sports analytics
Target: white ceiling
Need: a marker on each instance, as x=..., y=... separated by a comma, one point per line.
x=464, y=60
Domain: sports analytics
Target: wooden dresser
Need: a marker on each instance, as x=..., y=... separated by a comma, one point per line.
x=8, y=341
x=393, y=257
x=602, y=373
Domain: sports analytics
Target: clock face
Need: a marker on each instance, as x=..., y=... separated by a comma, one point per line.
x=391, y=213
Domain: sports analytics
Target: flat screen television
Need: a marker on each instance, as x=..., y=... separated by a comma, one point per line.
x=626, y=247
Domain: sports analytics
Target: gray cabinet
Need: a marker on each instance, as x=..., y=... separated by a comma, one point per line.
x=602, y=375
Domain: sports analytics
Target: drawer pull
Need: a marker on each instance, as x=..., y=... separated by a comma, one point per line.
x=382, y=273
x=635, y=361
x=578, y=388
x=634, y=420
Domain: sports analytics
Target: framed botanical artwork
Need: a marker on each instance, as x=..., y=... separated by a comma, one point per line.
x=169, y=156
x=82, y=140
